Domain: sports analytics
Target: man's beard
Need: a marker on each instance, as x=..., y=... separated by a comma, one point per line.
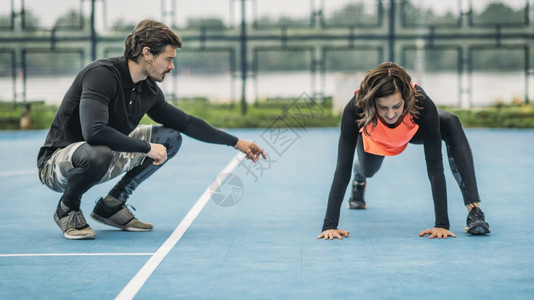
x=152, y=73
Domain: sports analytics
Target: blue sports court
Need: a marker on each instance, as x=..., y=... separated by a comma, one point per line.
x=264, y=246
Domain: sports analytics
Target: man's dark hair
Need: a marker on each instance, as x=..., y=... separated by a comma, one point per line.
x=152, y=34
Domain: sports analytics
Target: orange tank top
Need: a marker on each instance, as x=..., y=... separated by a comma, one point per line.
x=386, y=141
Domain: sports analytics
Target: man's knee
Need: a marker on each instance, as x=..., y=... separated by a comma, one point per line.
x=95, y=159
x=170, y=138
x=176, y=139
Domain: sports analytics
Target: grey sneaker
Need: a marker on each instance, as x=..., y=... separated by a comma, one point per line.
x=120, y=217
x=73, y=225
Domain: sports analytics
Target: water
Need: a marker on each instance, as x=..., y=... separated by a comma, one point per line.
x=486, y=88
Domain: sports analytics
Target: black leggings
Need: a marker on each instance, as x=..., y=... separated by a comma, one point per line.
x=92, y=162
x=458, y=152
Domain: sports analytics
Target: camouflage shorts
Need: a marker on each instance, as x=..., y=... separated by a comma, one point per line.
x=55, y=170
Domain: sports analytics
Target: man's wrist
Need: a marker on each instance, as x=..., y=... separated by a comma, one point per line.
x=236, y=143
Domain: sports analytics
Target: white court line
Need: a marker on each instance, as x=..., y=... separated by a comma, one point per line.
x=72, y=254
x=137, y=282
x=19, y=172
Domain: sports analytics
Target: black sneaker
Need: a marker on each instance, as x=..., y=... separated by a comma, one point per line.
x=119, y=216
x=476, y=224
x=356, y=200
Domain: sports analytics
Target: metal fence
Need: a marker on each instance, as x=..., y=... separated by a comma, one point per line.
x=233, y=47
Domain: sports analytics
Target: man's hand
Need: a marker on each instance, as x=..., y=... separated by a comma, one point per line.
x=158, y=153
x=437, y=232
x=251, y=150
x=330, y=234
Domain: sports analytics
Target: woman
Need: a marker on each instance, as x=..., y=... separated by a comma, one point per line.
x=386, y=113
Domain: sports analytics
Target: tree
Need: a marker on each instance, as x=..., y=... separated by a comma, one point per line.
x=353, y=13
x=31, y=22
x=502, y=14
x=5, y=21
x=415, y=15
x=72, y=19
x=205, y=22
x=121, y=26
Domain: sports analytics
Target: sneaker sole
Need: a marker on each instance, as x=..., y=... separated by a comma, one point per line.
x=73, y=237
x=77, y=237
x=479, y=228
x=116, y=225
x=358, y=206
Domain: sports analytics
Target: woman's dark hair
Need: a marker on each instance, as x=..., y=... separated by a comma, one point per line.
x=383, y=81
x=152, y=34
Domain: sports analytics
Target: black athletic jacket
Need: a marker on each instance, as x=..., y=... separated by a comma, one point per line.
x=102, y=106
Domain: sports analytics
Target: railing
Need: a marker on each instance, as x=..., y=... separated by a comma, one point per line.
x=394, y=30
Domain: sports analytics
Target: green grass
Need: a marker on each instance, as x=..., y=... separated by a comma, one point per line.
x=41, y=115
x=283, y=113
x=261, y=115
x=498, y=116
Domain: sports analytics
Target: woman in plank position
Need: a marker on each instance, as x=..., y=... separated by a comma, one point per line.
x=386, y=113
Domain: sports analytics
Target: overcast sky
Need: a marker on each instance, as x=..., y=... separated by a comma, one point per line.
x=131, y=11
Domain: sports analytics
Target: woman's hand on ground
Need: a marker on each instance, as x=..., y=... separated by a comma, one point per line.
x=330, y=234
x=437, y=232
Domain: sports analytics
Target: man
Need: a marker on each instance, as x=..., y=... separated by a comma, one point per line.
x=95, y=135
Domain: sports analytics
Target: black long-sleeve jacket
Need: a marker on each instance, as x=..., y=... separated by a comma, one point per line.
x=103, y=105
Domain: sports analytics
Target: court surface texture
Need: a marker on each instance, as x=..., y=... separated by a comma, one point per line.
x=227, y=229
